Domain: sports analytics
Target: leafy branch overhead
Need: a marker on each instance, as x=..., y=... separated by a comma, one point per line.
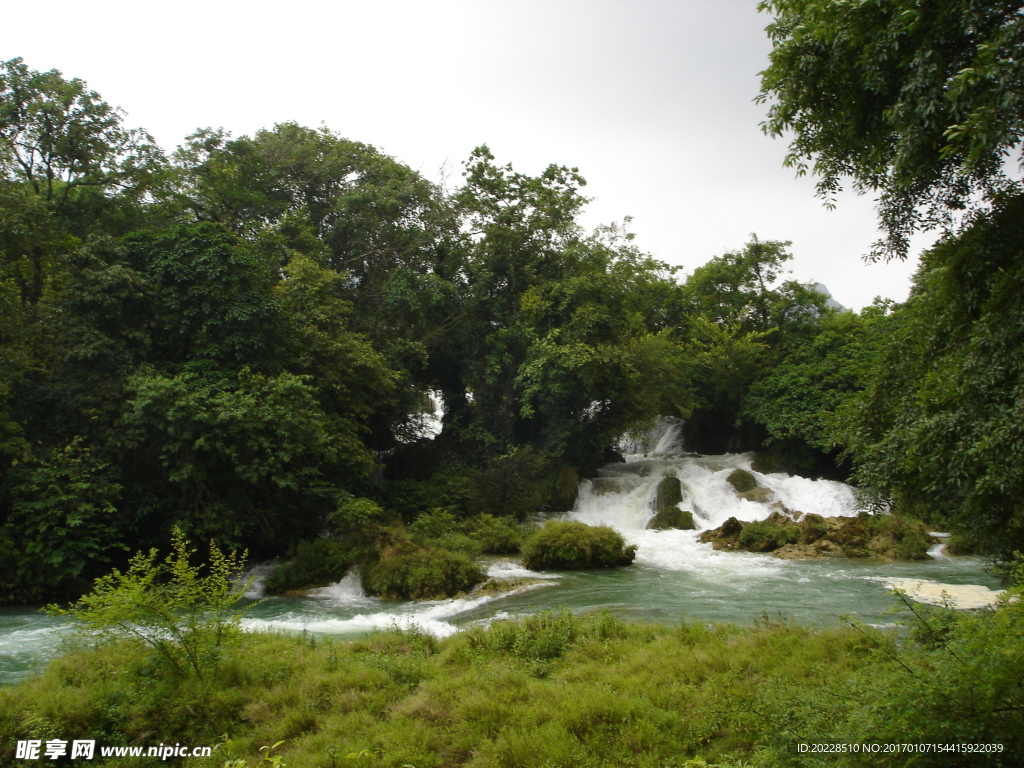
x=919, y=103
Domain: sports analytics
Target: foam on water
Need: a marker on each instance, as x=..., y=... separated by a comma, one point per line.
x=427, y=616
x=512, y=569
x=347, y=592
x=963, y=596
x=255, y=575
x=623, y=495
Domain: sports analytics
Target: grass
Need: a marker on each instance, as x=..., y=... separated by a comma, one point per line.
x=553, y=690
x=549, y=690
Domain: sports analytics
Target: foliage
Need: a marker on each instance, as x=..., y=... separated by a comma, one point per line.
x=955, y=680
x=315, y=563
x=512, y=485
x=920, y=104
x=741, y=317
x=185, y=615
x=62, y=525
x=559, y=330
x=583, y=690
x=407, y=571
x=497, y=535
x=938, y=427
x=570, y=545
x=800, y=396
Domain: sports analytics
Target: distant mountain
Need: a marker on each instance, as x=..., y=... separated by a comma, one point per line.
x=824, y=291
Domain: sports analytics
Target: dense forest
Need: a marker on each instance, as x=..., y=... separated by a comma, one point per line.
x=241, y=340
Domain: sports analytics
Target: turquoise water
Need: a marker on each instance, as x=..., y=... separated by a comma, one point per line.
x=674, y=576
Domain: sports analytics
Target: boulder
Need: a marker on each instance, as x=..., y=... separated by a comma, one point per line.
x=725, y=536
x=668, y=494
x=674, y=517
x=758, y=494
x=742, y=480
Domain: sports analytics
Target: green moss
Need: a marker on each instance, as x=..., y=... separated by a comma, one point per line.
x=742, y=480
x=673, y=517
x=569, y=545
x=767, y=535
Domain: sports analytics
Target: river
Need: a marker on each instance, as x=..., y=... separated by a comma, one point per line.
x=674, y=576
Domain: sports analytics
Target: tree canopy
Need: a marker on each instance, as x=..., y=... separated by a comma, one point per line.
x=919, y=102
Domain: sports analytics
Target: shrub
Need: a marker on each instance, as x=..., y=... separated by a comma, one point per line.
x=572, y=545
x=184, y=615
x=497, y=535
x=315, y=563
x=411, y=572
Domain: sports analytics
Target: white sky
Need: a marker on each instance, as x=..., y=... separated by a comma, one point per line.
x=651, y=99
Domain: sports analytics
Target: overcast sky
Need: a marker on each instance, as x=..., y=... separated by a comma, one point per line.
x=651, y=99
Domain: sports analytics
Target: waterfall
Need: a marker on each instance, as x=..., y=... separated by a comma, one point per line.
x=622, y=497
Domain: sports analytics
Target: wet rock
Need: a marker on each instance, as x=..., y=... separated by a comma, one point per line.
x=726, y=536
x=672, y=518
x=742, y=480
x=884, y=537
x=668, y=494
x=759, y=495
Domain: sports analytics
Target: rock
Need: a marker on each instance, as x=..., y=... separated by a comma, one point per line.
x=884, y=537
x=668, y=494
x=742, y=480
x=760, y=495
x=726, y=536
x=681, y=519
x=603, y=485
x=812, y=528
x=731, y=527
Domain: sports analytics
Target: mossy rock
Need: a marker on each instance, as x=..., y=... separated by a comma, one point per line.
x=569, y=545
x=883, y=536
x=759, y=495
x=668, y=494
x=812, y=528
x=725, y=536
x=673, y=518
x=769, y=535
x=742, y=480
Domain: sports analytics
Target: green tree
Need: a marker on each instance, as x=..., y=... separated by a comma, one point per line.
x=801, y=395
x=61, y=527
x=64, y=157
x=938, y=429
x=559, y=344
x=921, y=103
x=738, y=317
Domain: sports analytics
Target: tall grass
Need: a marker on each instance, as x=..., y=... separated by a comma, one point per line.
x=546, y=690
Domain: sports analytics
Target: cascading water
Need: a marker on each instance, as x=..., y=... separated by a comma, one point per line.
x=623, y=494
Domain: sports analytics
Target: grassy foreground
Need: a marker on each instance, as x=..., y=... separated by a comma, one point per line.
x=549, y=690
